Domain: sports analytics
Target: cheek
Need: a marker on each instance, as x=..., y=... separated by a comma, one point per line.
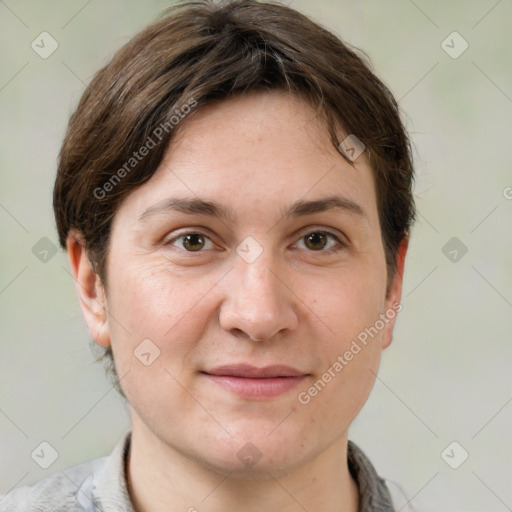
x=152, y=336
x=149, y=297
x=349, y=302
x=349, y=363
x=353, y=351
x=156, y=313
x=351, y=345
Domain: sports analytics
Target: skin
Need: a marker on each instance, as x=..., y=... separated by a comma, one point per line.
x=301, y=302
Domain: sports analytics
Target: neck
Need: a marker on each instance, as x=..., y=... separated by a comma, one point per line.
x=160, y=478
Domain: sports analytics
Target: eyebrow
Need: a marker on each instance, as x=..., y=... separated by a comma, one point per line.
x=299, y=208
x=192, y=206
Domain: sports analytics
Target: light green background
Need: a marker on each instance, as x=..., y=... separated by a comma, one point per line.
x=447, y=375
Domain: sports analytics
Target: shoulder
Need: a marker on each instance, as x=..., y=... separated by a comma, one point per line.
x=54, y=493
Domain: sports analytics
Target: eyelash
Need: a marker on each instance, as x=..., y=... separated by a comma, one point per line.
x=337, y=247
x=340, y=244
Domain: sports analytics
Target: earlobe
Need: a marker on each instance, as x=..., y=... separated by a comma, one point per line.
x=394, y=296
x=89, y=288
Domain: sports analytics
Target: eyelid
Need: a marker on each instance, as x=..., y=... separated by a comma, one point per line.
x=188, y=231
x=338, y=235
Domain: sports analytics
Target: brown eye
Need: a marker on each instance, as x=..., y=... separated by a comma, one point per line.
x=321, y=242
x=193, y=242
x=315, y=241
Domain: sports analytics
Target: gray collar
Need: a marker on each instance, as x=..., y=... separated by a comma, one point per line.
x=374, y=495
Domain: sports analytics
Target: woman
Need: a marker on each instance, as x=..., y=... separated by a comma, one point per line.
x=234, y=193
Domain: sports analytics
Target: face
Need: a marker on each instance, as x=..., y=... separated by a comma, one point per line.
x=255, y=245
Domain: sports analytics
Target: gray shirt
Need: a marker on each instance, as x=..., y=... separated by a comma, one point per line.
x=100, y=485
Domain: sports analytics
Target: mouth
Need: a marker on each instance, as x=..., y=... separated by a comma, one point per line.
x=256, y=383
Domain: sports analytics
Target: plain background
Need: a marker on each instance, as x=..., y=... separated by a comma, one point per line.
x=446, y=377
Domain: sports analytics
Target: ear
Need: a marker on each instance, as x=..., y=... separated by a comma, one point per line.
x=91, y=294
x=394, y=295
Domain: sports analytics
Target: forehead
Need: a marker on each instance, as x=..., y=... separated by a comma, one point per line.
x=256, y=150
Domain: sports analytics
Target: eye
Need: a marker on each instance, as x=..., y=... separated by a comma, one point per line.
x=320, y=241
x=192, y=242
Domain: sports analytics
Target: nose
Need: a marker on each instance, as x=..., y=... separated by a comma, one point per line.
x=258, y=303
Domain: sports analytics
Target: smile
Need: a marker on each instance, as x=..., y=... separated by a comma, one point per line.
x=256, y=383
x=256, y=388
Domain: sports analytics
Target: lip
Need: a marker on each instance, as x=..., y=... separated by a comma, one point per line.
x=256, y=383
x=249, y=371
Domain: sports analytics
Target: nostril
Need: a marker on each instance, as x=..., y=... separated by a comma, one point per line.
x=239, y=333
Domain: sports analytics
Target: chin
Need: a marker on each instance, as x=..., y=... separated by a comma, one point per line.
x=255, y=455
x=266, y=467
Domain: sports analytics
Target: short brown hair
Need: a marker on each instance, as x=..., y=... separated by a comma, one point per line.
x=204, y=51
